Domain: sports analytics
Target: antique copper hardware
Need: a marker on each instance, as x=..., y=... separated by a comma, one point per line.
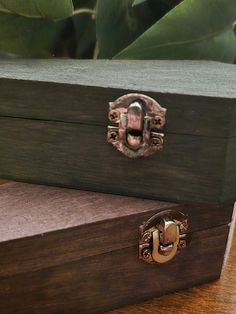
x=163, y=236
x=138, y=121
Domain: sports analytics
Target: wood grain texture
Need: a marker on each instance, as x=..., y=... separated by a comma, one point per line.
x=229, y=185
x=199, y=96
x=89, y=263
x=110, y=280
x=3, y=181
x=214, y=298
x=54, y=221
x=212, y=79
x=190, y=168
x=43, y=209
x=53, y=119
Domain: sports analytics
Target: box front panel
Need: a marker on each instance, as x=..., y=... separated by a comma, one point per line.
x=186, y=114
x=190, y=168
x=114, y=279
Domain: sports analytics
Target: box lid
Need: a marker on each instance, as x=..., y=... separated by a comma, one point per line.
x=48, y=226
x=200, y=96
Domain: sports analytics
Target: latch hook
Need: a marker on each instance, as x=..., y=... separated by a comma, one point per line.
x=162, y=237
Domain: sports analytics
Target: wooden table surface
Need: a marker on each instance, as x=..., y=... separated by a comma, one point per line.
x=218, y=297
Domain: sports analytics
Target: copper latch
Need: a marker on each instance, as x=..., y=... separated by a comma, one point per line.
x=139, y=121
x=162, y=237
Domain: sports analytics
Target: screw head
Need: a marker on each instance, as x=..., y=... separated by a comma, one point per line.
x=158, y=122
x=147, y=236
x=157, y=142
x=114, y=115
x=112, y=136
x=182, y=244
x=146, y=254
x=183, y=226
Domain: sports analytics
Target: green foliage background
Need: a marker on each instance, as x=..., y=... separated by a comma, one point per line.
x=119, y=29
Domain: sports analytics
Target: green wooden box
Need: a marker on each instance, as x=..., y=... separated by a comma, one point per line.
x=54, y=119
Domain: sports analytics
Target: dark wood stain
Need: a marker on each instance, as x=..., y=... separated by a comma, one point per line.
x=216, y=297
x=69, y=251
x=107, y=281
x=50, y=218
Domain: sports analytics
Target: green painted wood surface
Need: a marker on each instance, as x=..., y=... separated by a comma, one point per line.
x=200, y=96
x=53, y=119
x=191, y=168
x=229, y=184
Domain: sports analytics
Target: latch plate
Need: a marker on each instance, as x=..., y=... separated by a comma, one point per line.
x=163, y=236
x=139, y=122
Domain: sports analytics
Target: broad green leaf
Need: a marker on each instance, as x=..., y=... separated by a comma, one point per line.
x=137, y=2
x=160, y=7
x=234, y=27
x=118, y=24
x=171, y=2
x=194, y=29
x=52, y=9
x=28, y=37
x=85, y=30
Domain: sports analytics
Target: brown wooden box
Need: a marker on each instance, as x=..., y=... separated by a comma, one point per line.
x=54, y=119
x=71, y=251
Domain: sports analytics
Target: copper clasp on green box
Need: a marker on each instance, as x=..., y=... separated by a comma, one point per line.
x=139, y=121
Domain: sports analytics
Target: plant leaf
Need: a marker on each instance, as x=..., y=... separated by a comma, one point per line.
x=28, y=37
x=118, y=24
x=160, y=7
x=194, y=29
x=51, y=9
x=137, y=2
x=85, y=30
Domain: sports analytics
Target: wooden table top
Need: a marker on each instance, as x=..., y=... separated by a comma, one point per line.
x=218, y=297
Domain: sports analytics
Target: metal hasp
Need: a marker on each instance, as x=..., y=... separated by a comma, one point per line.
x=163, y=236
x=139, y=121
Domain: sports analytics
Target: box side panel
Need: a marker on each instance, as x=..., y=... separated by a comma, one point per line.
x=189, y=169
x=232, y=132
x=230, y=237
x=229, y=185
x=186, y=114
x=111, y=280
